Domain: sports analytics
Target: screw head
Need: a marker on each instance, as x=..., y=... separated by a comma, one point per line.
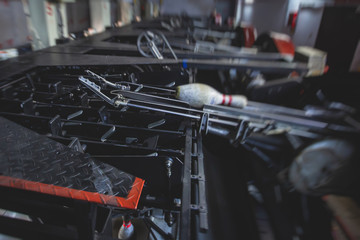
x=177, y=202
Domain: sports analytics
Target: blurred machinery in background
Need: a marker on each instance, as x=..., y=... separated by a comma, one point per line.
x=97, y=142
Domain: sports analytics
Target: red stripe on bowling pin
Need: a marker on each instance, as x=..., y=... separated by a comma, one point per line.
x=230, y=100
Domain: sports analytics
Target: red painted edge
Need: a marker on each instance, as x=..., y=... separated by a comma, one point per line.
x=249, y=33
x=131, y=201
x=284, y=47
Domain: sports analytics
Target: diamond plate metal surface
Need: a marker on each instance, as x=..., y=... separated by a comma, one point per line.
x=29, y=156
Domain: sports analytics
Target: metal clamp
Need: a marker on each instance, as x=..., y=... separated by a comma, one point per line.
x=119, y=100
x=204, y=123
x=106, y=82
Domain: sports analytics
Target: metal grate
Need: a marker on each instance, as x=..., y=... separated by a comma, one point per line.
x=160, y=148
x=52, y=102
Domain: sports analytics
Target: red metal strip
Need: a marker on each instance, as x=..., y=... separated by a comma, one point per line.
x=131, y=201
x=284, y=47
x=249, y=33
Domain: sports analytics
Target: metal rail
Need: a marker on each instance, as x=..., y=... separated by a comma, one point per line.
x=222, y=120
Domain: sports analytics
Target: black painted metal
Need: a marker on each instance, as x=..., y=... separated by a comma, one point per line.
x=30, y=156
x=51, y=102
x=185, y=221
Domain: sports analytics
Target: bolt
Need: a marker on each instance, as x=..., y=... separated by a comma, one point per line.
x=168, y=164
x=177, y=202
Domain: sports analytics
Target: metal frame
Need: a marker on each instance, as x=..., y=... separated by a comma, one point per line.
x=90, y=216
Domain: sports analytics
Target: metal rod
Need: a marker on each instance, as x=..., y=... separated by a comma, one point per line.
x=101, y=78
x=96, y=89
x=256, y=113
x=147, y=86
x=196, y=117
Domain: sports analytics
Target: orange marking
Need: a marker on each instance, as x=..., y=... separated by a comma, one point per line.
x=131, y=201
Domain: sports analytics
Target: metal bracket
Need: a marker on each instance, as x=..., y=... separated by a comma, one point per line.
x=106, y=82
x=55, y=126
x=198, y=177
x=204, y=123
x=28, y=106
x=84, y=100
x=157, y=123
x=56, y=87
x=76, y=145
x=104, y=114
x=241, y=128
x=74, y=115
x=119, y=100
x=199, y=208
x=108, y=134
x=247, y=133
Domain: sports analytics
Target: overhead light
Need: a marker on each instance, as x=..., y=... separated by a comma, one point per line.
x=249, y=1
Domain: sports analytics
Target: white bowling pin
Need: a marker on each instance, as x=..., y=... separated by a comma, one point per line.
x=126, y=230
x=198, y=94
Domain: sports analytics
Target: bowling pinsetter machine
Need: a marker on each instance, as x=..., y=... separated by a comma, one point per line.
x=234, y=123
x=154, y=43
x=316, y=138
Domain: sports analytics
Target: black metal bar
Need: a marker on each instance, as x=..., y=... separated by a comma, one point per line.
x=86, y=219
x=242, y=64
x=80, y=129
x=185, y=218
x=30, y=230
x=204, y=225
x=13, y=82
x=103, y=148
x=31, y=206
x=165, y=235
